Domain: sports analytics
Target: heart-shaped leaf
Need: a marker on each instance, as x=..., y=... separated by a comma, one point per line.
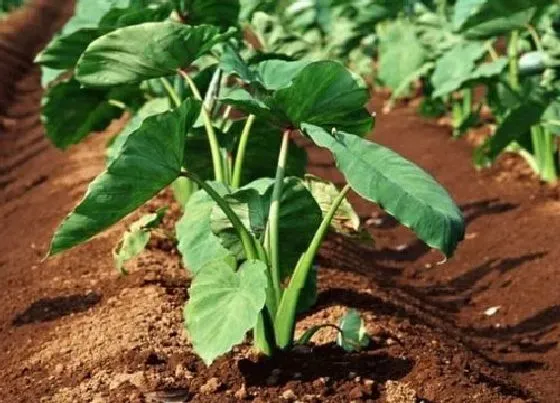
x=401, y=188
x=150, y=160
x=140, y=52
x=223, y=306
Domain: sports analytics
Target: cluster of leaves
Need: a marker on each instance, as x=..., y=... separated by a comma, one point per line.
x=251, y=226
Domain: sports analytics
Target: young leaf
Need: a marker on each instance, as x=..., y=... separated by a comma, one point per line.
x=353, y=336
x=140, y=52
x=198, y=245
x=69, y=112
x=516, y=124
x=134, y=240
x=404, y=190
x=223, y=306
x=148, y=162
x=456, y=67
x=325, y=193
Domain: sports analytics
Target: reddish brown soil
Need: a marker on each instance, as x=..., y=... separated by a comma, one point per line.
x=72, y=330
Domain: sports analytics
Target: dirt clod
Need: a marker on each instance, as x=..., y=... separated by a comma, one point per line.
x=211, y=386
x=400, y=392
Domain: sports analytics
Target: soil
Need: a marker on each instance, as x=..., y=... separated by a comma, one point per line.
x=481, y=327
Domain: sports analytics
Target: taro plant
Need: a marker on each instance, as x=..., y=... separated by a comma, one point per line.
x=249, y=239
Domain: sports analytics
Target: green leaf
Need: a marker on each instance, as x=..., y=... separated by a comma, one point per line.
x=140, y=52
x=516, y=124
x=326, y=94
x=198, y=245
x=404, y=190
x=152, y=107
x=325, y=193
x=223, y=306
x=400, y=54
x=323, y=93
x=64, y=51
x=69, y=112
x=488, y=18
x=490, y=69
x=353, y=335
x=134, y=240
x=456, y=67
x=148, y=162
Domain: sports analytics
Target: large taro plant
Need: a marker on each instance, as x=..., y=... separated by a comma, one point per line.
x=249, y=239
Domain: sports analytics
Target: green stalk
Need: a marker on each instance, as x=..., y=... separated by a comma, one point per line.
x=171, y=92
x=457, y=117
x=442, y=8
x=274, y=215
x=467, y=101
x=246, y=238
x=544, y=148
x=513, y=54
x=240, y=158
x=286, y=316
x=212, y=139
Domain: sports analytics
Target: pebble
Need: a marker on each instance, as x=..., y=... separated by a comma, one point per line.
x=356, y=393
x=242, y=394
x=289, y=395
x=213, y=385
x=58, y=369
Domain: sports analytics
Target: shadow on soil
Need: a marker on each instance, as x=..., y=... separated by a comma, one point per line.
x=47, y=309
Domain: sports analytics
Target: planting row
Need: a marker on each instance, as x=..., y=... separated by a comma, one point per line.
x=214, y=101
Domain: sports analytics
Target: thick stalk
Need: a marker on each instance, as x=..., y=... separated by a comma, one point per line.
x=286, y=316
x=171, y=92
x=240, y=158
x=212, y=139
x=247, y=239
x=513, y=54
x=544, y=148
x=274, y=215
x=457, y=116
x=467, y=102
x=442, y=8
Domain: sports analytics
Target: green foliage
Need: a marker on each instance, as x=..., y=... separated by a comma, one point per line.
x=147, y=163
x=352, y=335
x=223, y=306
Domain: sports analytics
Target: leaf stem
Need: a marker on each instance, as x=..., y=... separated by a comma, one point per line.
x=246, y=238
x=274, y=215
x=240, y=158
x=212, y=139
x=171, y=92
x=513, y=54
x=286, y=315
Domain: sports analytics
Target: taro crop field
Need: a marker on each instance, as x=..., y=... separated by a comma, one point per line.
x=279, y=201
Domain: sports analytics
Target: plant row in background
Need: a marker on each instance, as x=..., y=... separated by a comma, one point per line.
x=216, y=90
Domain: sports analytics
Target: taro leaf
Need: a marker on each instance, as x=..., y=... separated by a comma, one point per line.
x=223, y=306
x=455, y=67
x=552, y=117
x=300, y=216
x=400, y=54
x=149, y=161
x=89, y=13
x=325, y=194
x=326, y=94
x=490, y=69
x=262, y=148
x=197, y=243
x=488, y=18
x=400, y=187
x=134, y=240
x=64, y=51
x=516, y=124
x=152, y=107
x=353, y=335
x=243, y=100
x=69, y=113
x=144, y=51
